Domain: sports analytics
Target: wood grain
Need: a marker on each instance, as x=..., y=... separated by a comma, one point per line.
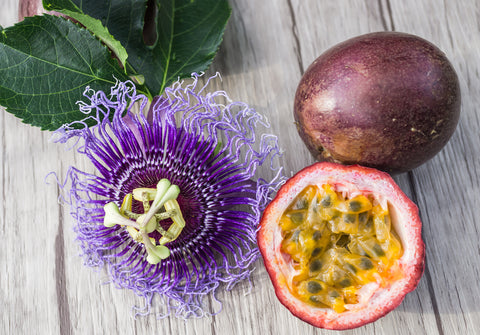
x=45, y=289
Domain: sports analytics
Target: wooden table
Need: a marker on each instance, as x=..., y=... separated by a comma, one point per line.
x=45, y=289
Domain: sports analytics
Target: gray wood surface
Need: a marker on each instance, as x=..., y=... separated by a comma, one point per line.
x=45, y=289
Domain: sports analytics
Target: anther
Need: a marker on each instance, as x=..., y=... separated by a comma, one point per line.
x=142, y=192
x=178, y=222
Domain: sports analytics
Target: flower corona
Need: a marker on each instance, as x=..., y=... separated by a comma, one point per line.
x=173, y=206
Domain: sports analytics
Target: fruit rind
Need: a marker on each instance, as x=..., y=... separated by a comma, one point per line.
x=383, y=300
x=387, y=100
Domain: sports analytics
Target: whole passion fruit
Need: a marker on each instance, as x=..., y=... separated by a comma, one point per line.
x=386, y=100
x=342, y=245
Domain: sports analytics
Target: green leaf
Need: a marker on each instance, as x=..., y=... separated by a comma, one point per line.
x=95, y=26
x=45, y=64
x=189, y=33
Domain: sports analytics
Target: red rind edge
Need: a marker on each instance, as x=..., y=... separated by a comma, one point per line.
x=385, y=299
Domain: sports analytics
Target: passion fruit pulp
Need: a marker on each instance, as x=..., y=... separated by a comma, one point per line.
x=342, y=245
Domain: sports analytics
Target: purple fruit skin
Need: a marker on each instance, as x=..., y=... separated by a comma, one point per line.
x=386, y=100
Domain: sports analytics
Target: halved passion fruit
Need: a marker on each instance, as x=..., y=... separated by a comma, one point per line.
x=342, y=245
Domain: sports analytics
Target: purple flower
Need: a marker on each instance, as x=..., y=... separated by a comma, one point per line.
x=206, y=145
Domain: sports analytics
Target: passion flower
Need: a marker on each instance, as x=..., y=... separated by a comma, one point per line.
x=342, y=245
x=173, y=205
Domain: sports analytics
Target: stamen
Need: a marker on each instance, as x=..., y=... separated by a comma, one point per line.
x=135, y=234
x=178, y=222
x=145, y=195
x=142, y=192
x=146, y=204
x=131, y=215
x=165, y=215
x=126, y=204
x=165, y=191
x=161, y=230
x=164, y=195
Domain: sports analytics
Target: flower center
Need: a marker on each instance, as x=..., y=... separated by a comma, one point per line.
x=158, y=204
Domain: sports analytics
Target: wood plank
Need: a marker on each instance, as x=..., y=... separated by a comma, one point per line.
x=324, y=24
x=46, y=289
x=447, y=186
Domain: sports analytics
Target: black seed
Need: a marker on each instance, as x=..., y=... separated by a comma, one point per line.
x=297, y=217
x=295, y=235
x=314, y=287
x=355, y=206
x=326, y=202
x=350, y=268
x=315, y=266
x=366, y=264
x=301, y=204
x=334, y=294
x=316, y=251
x=349, y=218
x=362, y=252
x=314, y=299
x=362, y=217
x=345, y=282
x=316, y=235
x=343, y=240
x=378, y=250
x=369, y=222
